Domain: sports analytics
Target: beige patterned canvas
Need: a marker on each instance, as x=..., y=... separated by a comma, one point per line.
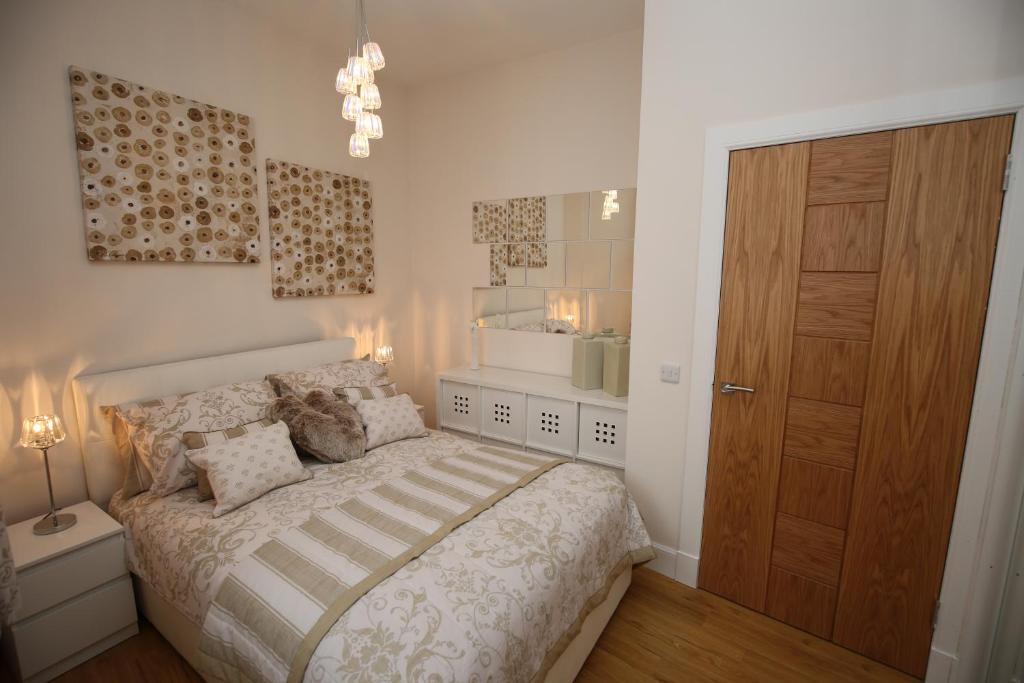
x=516, y=255
x=321, y=232
x=526, y=219
x=164, y=178
x=490, y=221
x=537, y=255
x=499, y=265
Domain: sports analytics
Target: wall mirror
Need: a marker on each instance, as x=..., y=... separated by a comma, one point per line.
x=561, y=264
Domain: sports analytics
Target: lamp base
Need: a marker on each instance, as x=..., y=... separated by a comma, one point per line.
x=51, y=524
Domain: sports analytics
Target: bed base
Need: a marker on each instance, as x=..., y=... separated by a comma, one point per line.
x=183, y=635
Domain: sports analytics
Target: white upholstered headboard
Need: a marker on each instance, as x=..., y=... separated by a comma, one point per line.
x=104, y=470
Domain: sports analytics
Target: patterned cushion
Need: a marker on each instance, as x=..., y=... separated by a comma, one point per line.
x=195, y=440
x=390, y=419
x=356, y=394
x=155, y=428
x=326, y=428
x=243, y=469
x=345, y=373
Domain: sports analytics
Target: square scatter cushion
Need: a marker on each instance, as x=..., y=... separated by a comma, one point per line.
x=390, y=419
x=322, y=426
x=196, y=440
x=354, y=395
x=243, y=469
x=155, y=428
x=345, y=373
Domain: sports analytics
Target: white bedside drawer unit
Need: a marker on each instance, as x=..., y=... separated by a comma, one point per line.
x=502, y=413
x=460, y=407
x=67, y=576
x=551, y=425
x=602, y=435
x=76, y=595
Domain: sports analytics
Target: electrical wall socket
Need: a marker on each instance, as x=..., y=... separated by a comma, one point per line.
x=670, y=373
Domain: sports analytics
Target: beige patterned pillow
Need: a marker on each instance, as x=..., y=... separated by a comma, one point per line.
x=155, y=428
x=243, y=469
x=390, y=419
x=356, y=394
x=345, y=373
x=196, y=440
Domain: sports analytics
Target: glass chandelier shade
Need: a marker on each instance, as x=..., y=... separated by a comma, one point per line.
x=359, y=69
x=344, y=84
x=364, y=123
x=374, y=57
x=351, y=108
x=358, y=146
x=376, y=131
x=370, y=95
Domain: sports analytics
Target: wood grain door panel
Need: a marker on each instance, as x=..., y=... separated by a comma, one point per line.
x=815, y=492
x=803, y=603
x=760, y=276
x=834, y=370
x=825, y=433
x=854, y=168
x=808, y=549
x=837, y=305
x=846, y=237
x=941, y=226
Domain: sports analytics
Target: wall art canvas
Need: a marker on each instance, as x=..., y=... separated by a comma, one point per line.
x=321, y=232
x=164, y=178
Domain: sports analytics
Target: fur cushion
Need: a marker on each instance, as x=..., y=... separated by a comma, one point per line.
x=328, y=429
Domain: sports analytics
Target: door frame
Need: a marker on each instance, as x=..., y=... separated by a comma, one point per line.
x=991, y=482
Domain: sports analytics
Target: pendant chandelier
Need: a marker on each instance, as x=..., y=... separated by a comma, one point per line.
x=362, y=96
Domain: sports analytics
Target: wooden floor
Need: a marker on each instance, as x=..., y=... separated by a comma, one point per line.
x=662, y=631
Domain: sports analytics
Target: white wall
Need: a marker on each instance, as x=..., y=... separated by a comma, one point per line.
x=707, y=64
x=63, y=315
x=560, y=122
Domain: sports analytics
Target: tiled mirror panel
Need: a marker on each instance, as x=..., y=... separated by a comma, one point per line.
x=560, y=264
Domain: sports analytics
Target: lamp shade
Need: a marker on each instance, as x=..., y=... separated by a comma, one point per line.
x=369, y=93
x=358, y=146
x=384, y=354
x=344, y=83
x=42, y=431
x=351, y=108
x=374, y=57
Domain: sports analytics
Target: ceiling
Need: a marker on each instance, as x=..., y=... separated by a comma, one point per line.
x=428, y=39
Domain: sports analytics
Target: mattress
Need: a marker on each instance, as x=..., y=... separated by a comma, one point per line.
x=489, y=601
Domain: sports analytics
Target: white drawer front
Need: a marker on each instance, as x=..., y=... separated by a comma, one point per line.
x=53, y=636
x=551, y=425
x=461, y=407
x=603, y=435
x=52, y=582
x=503, y=417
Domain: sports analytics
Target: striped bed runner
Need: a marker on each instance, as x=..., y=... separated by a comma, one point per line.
x=275, y=607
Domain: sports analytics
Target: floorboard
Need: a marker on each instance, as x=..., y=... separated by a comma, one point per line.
x=662, y=631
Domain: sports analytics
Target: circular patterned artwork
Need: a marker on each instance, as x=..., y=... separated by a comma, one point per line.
x=321, y=232
x=164, y=178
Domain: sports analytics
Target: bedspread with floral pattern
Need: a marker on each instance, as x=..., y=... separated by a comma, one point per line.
x=489, y=602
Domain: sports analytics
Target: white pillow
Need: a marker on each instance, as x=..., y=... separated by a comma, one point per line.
x=243, y=469
x=390, y=419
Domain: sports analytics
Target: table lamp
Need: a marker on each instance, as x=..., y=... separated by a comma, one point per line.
x=384, y=355
x=44, y=432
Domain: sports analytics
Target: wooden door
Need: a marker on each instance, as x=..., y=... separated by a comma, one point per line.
x=853, y=300
x=942, y=221
x=760, y=272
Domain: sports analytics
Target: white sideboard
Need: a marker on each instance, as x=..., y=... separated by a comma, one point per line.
x=534, y=411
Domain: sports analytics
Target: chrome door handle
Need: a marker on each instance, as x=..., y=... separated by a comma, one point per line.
x=730, y=388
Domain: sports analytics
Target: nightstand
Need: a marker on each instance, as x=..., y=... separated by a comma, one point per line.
x=76, y=595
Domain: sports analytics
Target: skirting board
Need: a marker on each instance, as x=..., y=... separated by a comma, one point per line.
x=675, y=565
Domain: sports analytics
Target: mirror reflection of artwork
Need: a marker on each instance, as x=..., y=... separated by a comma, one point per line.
x=164, y=178
x=321, y=232
x=565, y=262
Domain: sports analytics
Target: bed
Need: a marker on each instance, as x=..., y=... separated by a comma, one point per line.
x=520, y=592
